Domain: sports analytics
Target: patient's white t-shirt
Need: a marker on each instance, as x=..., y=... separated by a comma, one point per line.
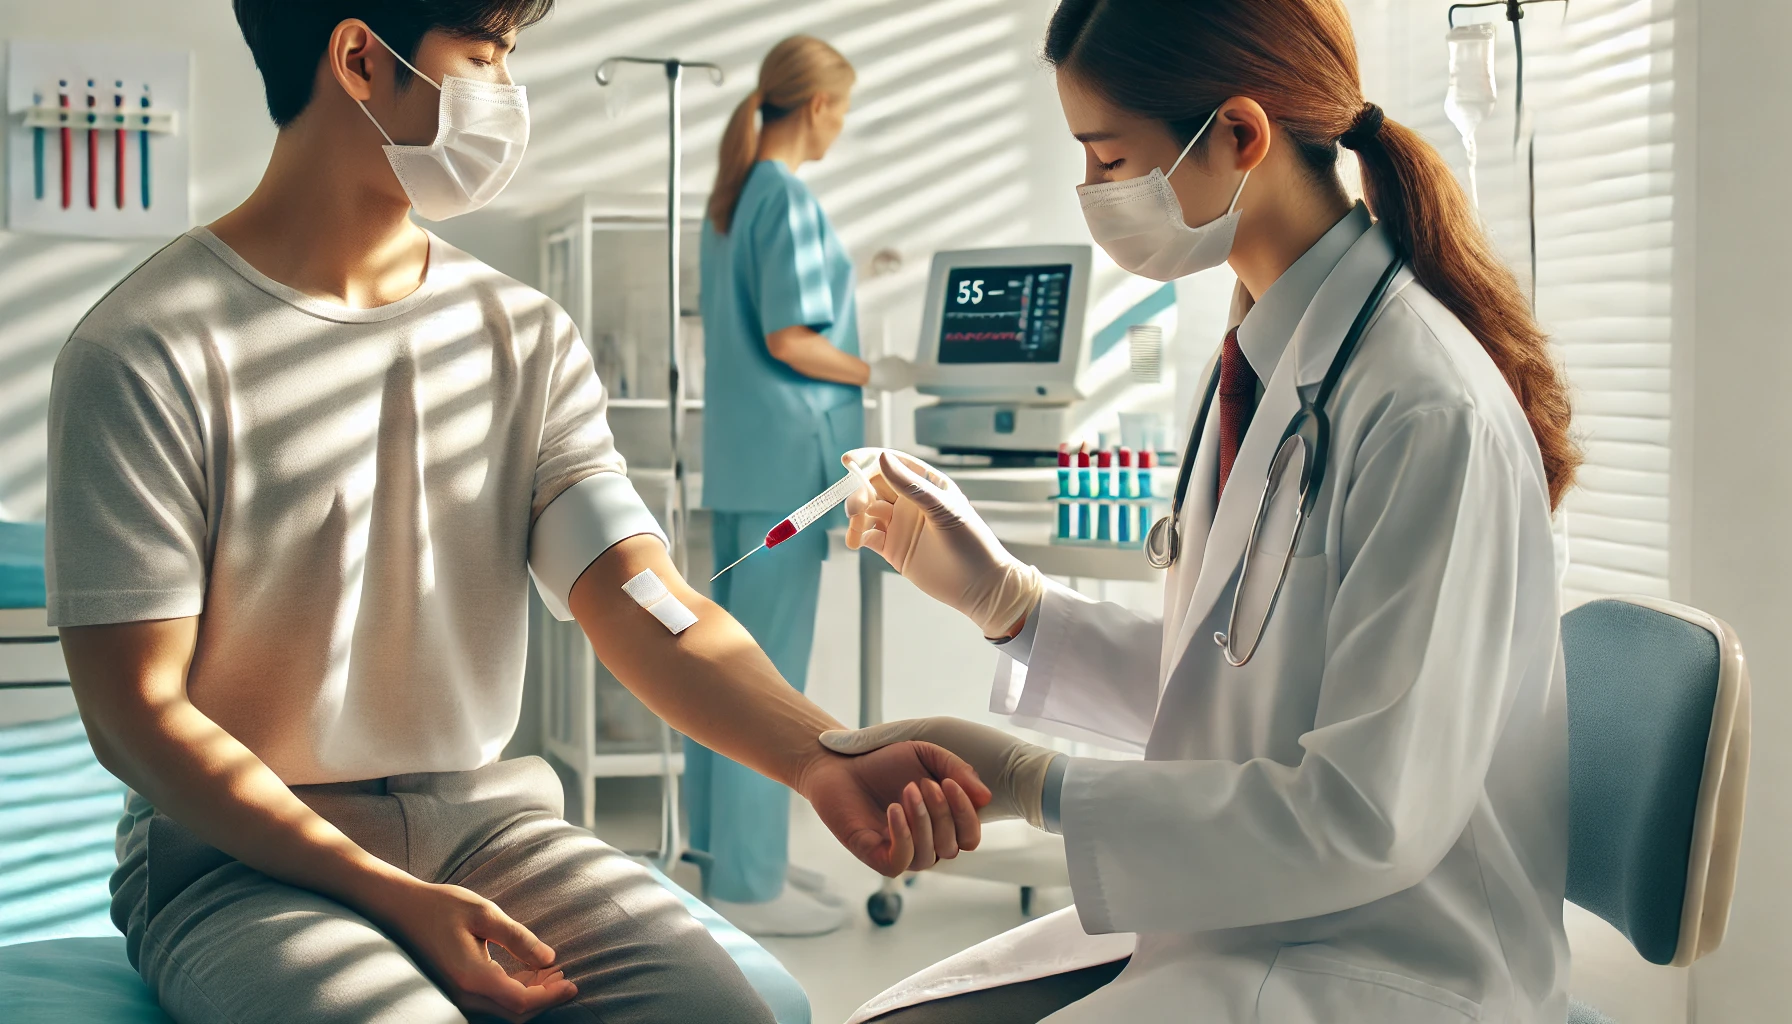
x=351, y=500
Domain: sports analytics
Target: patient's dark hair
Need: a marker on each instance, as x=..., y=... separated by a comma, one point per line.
x=289, y=37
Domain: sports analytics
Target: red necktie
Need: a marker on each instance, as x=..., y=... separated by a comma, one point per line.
x=1238, y=399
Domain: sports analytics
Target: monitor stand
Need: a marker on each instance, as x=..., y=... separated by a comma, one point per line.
x=995, y=428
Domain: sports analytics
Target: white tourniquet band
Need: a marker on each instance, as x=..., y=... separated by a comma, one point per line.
x=651, y=594
x=579, y=525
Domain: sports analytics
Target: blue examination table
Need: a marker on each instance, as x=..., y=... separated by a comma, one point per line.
x=21, y=565
x=61, y=959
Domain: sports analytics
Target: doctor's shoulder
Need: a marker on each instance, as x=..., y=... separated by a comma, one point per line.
x=1422, y=358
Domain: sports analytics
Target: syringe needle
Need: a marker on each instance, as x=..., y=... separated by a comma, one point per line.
x=736, y=562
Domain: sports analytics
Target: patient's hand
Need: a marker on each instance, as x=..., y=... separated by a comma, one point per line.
x=901, y=808
x=447, y=928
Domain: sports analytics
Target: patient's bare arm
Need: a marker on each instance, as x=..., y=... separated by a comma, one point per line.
x=899, y=809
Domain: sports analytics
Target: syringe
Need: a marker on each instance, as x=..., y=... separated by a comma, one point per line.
x=813, y=509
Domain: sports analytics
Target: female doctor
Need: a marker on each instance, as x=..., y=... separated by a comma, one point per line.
x=1353, y=799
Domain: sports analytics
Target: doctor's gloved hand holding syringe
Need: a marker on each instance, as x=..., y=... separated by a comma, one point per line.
x=924, y=526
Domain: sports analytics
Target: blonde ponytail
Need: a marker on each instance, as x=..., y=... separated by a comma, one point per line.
x=791, y=74
x=740, y=148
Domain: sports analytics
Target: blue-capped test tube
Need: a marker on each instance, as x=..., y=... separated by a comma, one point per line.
x=1104, y=510
x=1147, y=462
x=1083, y=490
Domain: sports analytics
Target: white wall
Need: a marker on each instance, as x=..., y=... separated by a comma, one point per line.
x=1741, y=477
x=46, y=283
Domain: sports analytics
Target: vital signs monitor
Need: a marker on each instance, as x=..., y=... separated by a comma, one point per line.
x=1003, y=346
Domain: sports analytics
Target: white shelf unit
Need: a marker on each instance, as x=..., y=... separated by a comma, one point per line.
x=603, y=259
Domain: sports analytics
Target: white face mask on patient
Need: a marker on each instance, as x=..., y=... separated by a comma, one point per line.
x=1139, y=223
x=482, y=128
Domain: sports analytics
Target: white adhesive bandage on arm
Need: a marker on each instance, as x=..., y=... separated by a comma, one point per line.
x=651, y=594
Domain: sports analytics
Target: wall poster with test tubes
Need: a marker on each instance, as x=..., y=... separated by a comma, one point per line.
x=97, y=139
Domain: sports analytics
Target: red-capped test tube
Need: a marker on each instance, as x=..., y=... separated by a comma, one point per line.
x=1084, y=489
x=1064, y=491
x=1123, y=521
x=1104, y=510
x=1147, y=462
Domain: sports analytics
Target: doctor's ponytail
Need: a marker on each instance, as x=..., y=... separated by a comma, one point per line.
x=791, y=74
x=1177, y=60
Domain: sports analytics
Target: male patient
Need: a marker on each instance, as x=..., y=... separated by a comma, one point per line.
x=301, y=463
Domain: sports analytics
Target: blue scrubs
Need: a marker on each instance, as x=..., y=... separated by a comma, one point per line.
x=772, y=439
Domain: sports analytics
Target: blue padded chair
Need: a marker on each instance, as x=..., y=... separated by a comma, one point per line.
x=1658, y=745
x=57, y=811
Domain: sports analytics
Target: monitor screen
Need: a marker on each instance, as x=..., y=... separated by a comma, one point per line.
x=1004, y=314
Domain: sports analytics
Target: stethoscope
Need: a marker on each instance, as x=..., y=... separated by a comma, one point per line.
x=1308, y=437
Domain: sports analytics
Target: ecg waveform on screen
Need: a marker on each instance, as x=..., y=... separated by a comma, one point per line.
x=982, y=336
x=1003, y=314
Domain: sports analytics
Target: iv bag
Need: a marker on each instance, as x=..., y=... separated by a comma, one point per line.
x=1472, y=93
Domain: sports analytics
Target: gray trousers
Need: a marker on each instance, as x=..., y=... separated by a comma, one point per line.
x=218, y=941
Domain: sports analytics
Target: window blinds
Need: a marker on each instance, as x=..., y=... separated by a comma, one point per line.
x=1599, y=87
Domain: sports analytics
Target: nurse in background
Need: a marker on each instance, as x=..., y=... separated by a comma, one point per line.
x=782, y=401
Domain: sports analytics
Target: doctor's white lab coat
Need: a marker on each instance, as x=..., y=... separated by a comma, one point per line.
x=1368, y=821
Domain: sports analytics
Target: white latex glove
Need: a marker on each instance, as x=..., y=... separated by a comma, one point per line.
x=1013, y=769
x=891, y=373
x=924, y=526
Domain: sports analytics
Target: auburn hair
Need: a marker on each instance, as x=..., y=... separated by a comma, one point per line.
x=1176, y=61
x=790, y=76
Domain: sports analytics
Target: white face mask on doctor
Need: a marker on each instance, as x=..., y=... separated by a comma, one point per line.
x=1139, y=223
x=481, y=130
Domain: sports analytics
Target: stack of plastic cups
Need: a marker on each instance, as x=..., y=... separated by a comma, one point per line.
x=1147, y=462
x=1083, y=490
x=1064, y=491
x=1123, y=521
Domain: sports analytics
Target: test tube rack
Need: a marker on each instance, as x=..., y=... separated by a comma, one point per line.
x=156, y=122
x=1139, y=514
x=1098, y=503
x=98, y=135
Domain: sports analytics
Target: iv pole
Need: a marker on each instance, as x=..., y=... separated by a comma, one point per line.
x=675, y=68
x=677, y=520
x=1515, y=14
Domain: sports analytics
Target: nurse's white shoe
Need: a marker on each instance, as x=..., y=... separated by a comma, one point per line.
x=814, y=883
x=793, y=912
